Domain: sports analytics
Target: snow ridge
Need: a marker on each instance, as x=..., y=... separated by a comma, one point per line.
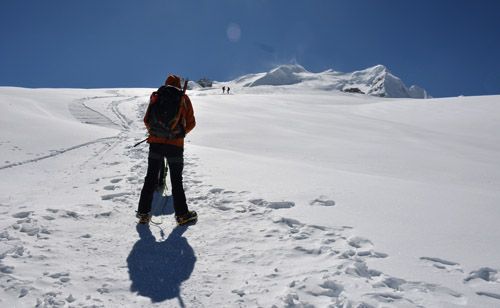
x=376, y=81
x=281, y=75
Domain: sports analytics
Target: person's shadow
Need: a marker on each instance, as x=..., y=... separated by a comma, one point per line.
x=162, y=205
x=157, y=269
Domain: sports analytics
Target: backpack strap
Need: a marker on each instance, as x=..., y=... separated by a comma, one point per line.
x=180, y=117
x=153, y=98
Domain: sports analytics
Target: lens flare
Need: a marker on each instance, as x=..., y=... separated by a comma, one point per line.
x=233, y=32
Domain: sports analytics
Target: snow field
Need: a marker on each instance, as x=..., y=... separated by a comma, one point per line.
x=302, y=202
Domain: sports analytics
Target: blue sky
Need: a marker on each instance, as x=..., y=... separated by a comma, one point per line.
x=449, y=47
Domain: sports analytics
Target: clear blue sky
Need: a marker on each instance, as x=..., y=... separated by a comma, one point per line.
x=449, y=47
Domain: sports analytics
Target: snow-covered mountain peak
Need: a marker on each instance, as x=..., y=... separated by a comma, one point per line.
x=371, y=75
x=289, y=69
x=376, y=80
x=281, y=75
x=376, y=69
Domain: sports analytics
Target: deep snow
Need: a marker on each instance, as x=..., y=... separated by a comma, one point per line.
x=306, y=198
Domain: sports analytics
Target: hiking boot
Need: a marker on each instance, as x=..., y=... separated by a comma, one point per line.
x=144, y=218
x=190, y=216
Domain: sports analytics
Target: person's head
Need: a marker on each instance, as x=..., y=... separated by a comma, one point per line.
x=174, y=81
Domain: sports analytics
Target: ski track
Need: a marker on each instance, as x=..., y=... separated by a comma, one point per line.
x=243, y=252
x=85, y=114
x=88, y=115
x=56, y=153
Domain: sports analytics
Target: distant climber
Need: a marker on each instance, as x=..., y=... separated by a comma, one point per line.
x=228, y=88
x=223, y=89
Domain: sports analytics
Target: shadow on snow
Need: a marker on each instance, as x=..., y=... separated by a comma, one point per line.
x=162, y=205
x=157, y=269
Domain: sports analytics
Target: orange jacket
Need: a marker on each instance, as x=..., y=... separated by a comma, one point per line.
x=187, y=118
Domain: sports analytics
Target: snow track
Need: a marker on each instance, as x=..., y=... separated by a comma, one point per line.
x=86, y=114
x=56, y=153
x=81, y=110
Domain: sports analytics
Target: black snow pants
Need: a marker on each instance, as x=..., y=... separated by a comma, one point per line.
x=175, y=161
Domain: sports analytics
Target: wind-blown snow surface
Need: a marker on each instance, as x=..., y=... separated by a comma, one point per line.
x=306, y=199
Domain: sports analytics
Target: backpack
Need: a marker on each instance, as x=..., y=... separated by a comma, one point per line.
x=164, y=116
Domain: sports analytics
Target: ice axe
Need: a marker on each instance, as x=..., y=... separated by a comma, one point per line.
x=140, y=142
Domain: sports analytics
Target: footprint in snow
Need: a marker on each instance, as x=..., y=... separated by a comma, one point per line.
x=22, y=215
x=259, y=202
x=290, y=222
x=117, y=196
x=363, y=248
x=4, y=235
x=322, y=201
x=70, y=214
x=216, y=190
x=442, y=264
x=103, y=215
x=272, y=205
x=30, y=229
x=398, y=284
x=489, y=294
x=113, y=163
x=133, y=179
x=484, y=273
x=280, y=205
x=104, y=289
x=62, y=276
x=360, y=242
x=6, y=269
